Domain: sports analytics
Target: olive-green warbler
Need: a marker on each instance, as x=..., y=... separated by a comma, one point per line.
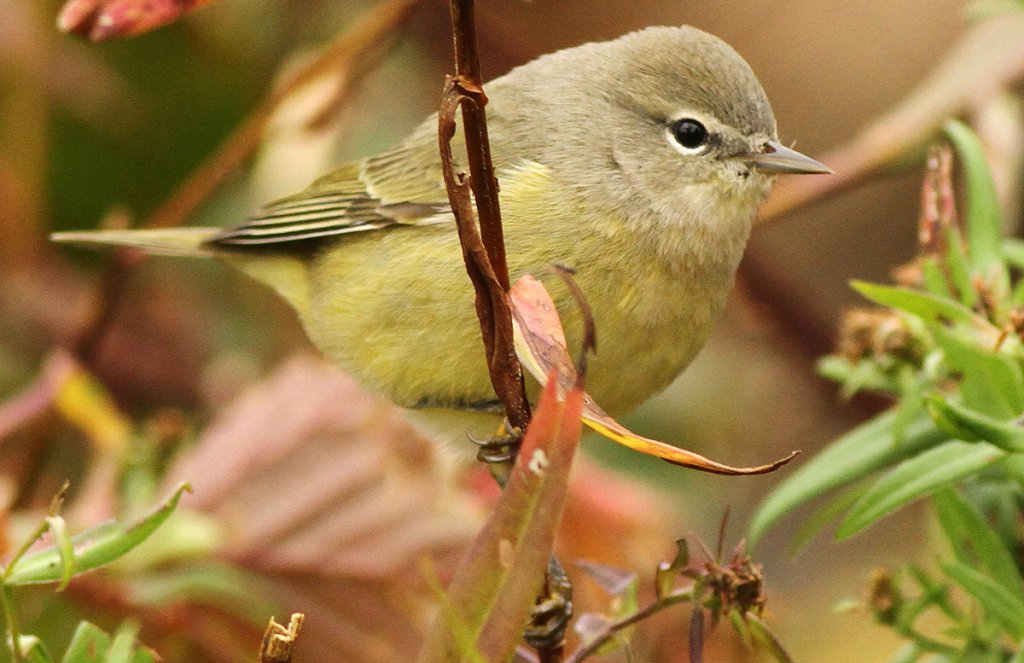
x=639, y=162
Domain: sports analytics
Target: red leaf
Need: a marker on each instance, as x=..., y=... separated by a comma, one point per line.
x=100, y=20
x=490, y=598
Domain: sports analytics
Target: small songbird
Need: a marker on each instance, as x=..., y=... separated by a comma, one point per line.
x=639, y=162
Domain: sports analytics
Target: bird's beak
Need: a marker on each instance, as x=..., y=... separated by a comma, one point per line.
x=777, y=158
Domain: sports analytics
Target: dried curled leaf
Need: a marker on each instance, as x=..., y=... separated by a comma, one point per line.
x=541, y=346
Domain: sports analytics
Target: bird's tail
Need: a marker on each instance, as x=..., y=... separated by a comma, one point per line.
x=167, y=241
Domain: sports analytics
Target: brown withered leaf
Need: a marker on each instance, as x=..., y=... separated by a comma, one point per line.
x=541, y=346
x=334, y=501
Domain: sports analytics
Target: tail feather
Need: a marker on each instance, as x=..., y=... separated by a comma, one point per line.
x=167, y=241
x=284, y=272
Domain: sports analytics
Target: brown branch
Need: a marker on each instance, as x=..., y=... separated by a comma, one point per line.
x=483, y=249
x=351, y=57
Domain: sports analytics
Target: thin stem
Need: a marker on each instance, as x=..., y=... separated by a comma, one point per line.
x=613, y=629
x=7, y=597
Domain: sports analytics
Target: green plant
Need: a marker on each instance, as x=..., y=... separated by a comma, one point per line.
x=946, y=345
x=66, y=557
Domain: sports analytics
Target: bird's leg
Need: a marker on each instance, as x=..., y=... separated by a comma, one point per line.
x=499, y=451
x=553, y=610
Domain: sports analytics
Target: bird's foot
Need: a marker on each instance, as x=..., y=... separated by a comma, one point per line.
x=551, y=614
x=499, y=451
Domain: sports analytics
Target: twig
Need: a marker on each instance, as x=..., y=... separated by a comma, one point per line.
x=612, y=629
x=483, y=249
x=278, y=641
x=351, y=57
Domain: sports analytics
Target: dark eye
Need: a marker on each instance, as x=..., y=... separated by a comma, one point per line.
x=690, y=133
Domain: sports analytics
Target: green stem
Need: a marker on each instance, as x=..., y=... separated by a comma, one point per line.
x=7, y=598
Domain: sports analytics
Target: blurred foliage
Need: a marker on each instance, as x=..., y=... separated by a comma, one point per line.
x=946, y=344
x=64, y=558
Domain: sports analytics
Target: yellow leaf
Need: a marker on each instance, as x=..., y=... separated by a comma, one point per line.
x=83, y=401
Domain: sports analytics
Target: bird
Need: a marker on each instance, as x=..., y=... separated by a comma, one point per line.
x=639, y=162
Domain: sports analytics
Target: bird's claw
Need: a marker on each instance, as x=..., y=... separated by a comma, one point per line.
x=499, y=451
x=551, y=614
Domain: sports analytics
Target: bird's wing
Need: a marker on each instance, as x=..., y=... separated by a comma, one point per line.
x=403, y=185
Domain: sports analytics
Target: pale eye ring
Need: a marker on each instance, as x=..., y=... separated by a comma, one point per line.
x=690, y=134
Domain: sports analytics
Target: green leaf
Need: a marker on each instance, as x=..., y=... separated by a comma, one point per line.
x=956, y=262
x=925, y=305
x=823, y=516
x=934, y=278
x=668, y=572
x=93, y=548
x=766, y=639
x=860, y=452
x=983, y=216
x=62, y=541
x=992, y=384
x=997, y=601
x=916, y=477
x=32, y=650
x=1013, y=251
x=966, y=424
x=974, y=542
x=89, y=644
x=124, y=647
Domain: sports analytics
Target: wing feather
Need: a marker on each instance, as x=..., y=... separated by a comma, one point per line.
x=389, y=189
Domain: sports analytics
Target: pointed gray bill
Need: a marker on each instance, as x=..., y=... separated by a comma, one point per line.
x=777, y=158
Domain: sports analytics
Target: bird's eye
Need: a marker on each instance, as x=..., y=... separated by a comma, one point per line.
x=690, y=134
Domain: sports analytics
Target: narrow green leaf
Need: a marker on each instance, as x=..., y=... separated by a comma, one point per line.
x=934, y=278
x=823, y=516
x=983, y=216
x=1013, y=251
x=966, y=424
x=123, y=644
x=974, y=542
x=916, y=477
x=94, y=547
x=925, y=305
x=956, y=263
x=144, y=655
x=32, y=650
x=741, y=628
x=667, y=573
x=764, y=637
x=993, y=383
x=997, y=601
x=855, y=455
x=89, y=644
x=66, y=550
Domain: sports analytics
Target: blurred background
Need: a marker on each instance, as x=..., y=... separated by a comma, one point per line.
x=211, y=379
